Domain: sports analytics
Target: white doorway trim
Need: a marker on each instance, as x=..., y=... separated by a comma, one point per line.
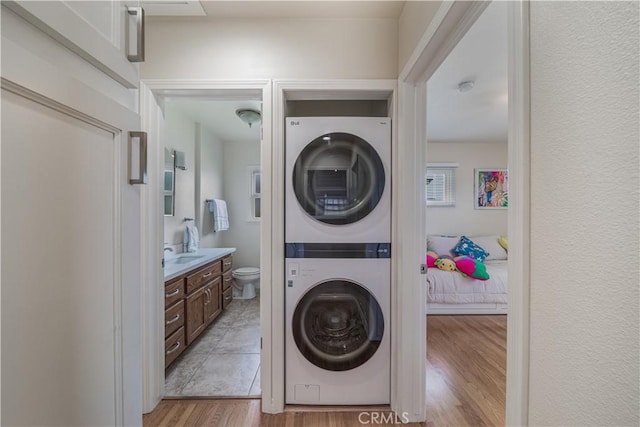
x=450, y=23
x=152, y=92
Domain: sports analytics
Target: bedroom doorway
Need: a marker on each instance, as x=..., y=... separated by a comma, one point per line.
x=466, y=217
x=415, y=77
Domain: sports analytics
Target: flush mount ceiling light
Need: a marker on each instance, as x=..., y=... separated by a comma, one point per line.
x=249, y=116
x=466, y=86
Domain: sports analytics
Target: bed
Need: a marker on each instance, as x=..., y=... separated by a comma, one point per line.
x=449, y=292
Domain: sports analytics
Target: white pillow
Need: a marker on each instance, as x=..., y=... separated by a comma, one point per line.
x=443, y=245
x=491, y=245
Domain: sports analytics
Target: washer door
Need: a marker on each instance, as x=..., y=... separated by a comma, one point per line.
x=338, y=178
x=338, y=325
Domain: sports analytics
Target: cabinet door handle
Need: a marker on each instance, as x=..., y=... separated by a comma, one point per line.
x=227, y=280
x=142, y=158
x=172, y=294
x=138, y=12
x=174, y=348
x=227, y=298
x=208, y=294
x=175, y=319
x=207, y=275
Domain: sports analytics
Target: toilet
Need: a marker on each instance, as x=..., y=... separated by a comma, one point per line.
x=245, y=280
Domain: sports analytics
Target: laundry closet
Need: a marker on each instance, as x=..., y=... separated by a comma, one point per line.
x=337, y=223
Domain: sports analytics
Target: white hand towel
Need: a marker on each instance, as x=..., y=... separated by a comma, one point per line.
x=192, y=238
x=218, y=208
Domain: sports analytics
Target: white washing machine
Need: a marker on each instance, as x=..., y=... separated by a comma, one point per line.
x=337, y=345
x=338, y=179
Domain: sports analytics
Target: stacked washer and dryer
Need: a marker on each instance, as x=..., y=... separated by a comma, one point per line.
x=338, y=269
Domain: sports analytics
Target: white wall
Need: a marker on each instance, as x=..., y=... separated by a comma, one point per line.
x=414, y=20
x=210, y=182
x=584, y=214
x=243, y=234
x=215, y=169
x=463, y=218
x=271, y=48
x=180, y=135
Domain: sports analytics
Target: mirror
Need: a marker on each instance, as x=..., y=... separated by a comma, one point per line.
x=169, y=182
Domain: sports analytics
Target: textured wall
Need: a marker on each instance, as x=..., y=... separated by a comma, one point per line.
x=584, y=214
x=271, y=48
x=463, y=218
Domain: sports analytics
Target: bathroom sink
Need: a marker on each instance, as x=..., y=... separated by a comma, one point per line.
x=183, y=259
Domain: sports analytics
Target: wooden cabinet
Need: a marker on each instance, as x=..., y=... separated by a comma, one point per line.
x=173, y=291
x=226, y=298
x=195, y=313
x=193, y=301
x=203, y=276
x=213, y=305
x=226, y=289
x=173, y=318
x=226, y=263
x=174, y=346
x=226, y=292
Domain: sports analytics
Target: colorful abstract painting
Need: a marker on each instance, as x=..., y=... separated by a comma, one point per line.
x=491, y=189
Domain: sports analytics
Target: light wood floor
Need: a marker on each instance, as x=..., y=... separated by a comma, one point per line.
x=466, y=375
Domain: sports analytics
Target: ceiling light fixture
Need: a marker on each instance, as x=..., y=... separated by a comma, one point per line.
x=249, y=116
x=466, y=86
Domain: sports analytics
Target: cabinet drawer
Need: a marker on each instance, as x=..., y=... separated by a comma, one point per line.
x=173, y=318
x=202, y=276
x=226, y=263
x=173, y=291
x=226, y=298
x=226, y=280
x=173, y=346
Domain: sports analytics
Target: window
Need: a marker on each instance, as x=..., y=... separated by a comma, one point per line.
x=256, y=194
x=440, y=184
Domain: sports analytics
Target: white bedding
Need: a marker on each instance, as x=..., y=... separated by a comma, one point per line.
x=452, y=288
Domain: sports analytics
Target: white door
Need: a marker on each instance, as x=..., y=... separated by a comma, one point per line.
x=70, y=250
x=69, y=302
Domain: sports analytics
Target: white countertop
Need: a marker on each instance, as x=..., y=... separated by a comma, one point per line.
x=178, y=264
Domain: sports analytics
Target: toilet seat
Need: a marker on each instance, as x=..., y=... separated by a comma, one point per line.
x=246, y=271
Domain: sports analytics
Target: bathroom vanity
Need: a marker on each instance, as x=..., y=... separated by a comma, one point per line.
x=197, y=289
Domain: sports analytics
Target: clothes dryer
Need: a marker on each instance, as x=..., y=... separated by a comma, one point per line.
x=337, y=345
x=338, y=179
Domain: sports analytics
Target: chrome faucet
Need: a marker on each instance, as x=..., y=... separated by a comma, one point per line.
x=168, y=249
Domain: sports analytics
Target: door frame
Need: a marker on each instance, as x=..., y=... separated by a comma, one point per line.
x=152, y=92
x=448, y=26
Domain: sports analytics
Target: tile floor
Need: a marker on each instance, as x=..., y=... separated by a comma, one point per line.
x=224, y=360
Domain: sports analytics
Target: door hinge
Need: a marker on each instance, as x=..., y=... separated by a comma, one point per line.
x=260, y=343
x=423, y=268
x=162, y=262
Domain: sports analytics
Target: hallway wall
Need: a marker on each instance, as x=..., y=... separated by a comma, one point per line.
x=271, y=48
x=584, y=214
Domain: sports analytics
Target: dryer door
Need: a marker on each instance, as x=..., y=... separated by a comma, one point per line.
x=338, y=178
x=338, y=325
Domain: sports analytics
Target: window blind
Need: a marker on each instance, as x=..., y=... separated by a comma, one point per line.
x=440, y=186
